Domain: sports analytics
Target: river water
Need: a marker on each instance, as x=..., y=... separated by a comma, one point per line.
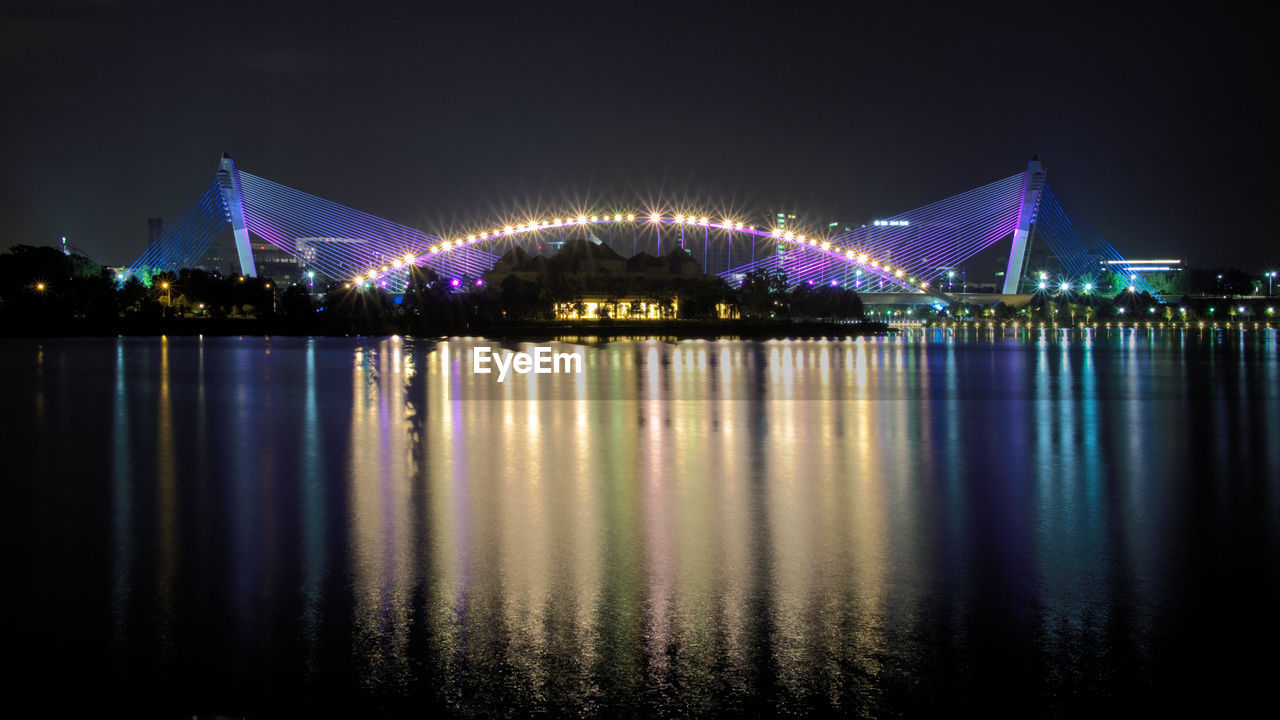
x=1022, y=523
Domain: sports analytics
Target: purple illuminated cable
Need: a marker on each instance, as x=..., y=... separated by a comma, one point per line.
x=305, y=221
x=946, y=231
x=270, y=204
x=303, y=215
x=944, y=234
x=295, y=203
x=980, y=236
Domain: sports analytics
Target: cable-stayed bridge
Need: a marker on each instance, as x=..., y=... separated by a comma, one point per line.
x=910, y=252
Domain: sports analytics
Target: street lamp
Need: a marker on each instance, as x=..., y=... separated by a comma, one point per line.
x=1270, y=277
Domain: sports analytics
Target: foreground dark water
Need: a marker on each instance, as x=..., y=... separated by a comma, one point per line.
x=1033, y=526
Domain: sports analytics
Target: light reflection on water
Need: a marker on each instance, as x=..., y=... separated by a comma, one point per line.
x=872, y=525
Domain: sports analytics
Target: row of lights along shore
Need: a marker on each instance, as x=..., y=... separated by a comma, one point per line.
x=849, y=255
x=1119, y=325
x=1086, y=287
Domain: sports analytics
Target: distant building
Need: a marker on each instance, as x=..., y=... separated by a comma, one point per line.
x=214, y=260
x=1165, y=276
x=277, y=264
x=155, y=226
x=598, y=307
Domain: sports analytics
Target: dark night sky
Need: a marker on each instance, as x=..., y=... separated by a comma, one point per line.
x=1149, y=122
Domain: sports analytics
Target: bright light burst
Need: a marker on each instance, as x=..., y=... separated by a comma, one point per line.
x=825, y=246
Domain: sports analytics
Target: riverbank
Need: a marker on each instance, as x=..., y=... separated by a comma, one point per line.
x=533, y=330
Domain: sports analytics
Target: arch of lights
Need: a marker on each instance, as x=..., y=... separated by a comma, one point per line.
x=863, y=261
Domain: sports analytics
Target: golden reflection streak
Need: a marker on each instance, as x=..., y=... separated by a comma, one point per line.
x=866, y=529
x=121, y=505
x=658, y=550
x=792, y=461
x=829, y=525
x=448, y=510
x=521, y=542
x=731, y=526
x=691, y=482
x=537, y=526
x=576, y=534
x=547, y=536
x=380, y=495
x=166, y=505
x=586, y=567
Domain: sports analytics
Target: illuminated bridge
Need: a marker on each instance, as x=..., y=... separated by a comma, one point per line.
x=910, y=252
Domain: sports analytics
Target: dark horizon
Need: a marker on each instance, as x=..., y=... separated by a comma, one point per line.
x=443, y=119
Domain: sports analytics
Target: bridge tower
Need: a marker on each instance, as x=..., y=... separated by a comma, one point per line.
x=229, y=181
x=1026, y=215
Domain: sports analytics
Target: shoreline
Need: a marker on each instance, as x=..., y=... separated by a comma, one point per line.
x=674, y=329
x=596, y=330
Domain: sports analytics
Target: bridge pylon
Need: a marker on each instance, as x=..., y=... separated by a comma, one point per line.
x=1026, y=215
x=229, y=181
